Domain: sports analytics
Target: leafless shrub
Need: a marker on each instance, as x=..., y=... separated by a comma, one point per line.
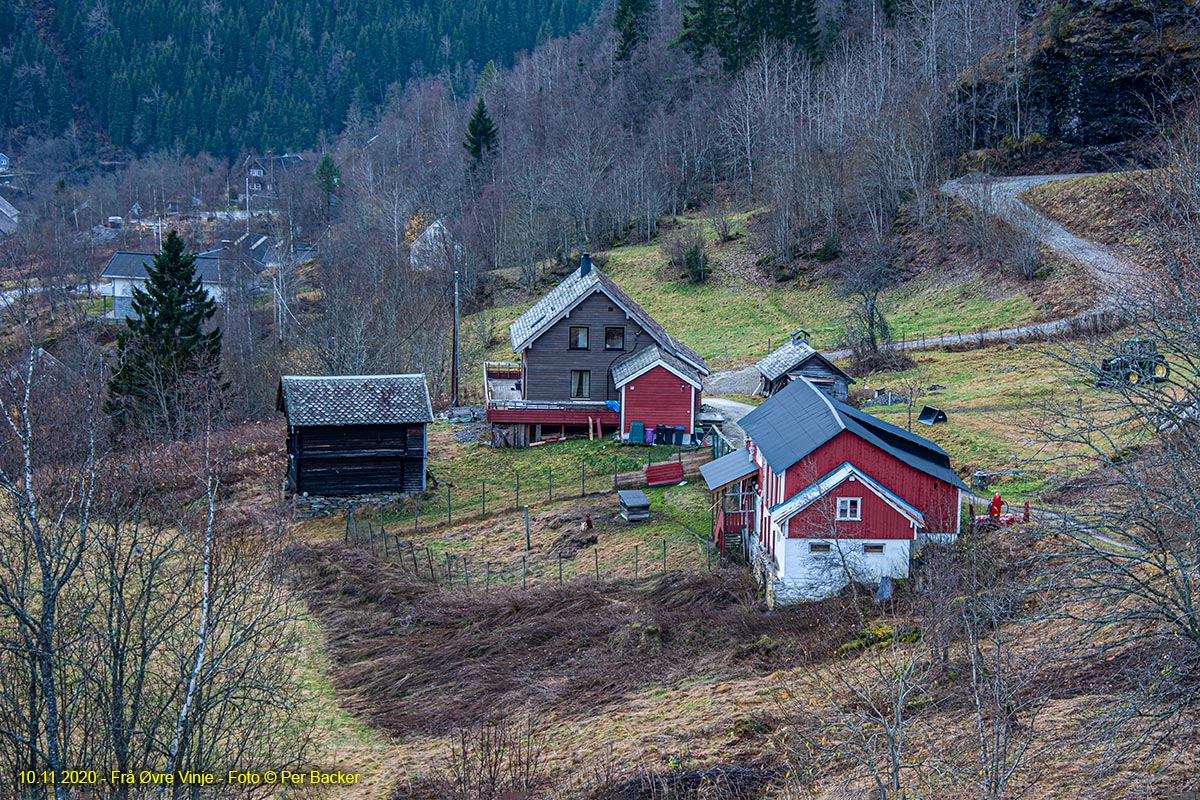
x=720, y=217
x=502, y=758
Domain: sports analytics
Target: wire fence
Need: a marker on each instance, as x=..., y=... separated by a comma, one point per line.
x=531, y=568
x=452, y=504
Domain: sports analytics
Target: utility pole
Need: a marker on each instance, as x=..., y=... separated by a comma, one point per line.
x=454, y=367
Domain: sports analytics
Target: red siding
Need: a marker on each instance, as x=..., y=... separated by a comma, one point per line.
x=879, y=520
x=655, y=399
x=934, y=498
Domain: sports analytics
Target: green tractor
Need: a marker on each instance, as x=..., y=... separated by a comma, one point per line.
x=1138, y=362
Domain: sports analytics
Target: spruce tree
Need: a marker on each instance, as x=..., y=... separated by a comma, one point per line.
x=328, y=177
x=481, y=134
x=169, y=366
x=701, y=26
x=631, y=21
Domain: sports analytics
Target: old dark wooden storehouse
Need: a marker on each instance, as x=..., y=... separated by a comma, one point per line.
x=355, y=434
x=796, y=358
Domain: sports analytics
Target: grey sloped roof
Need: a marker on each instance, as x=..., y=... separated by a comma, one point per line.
x=789, y=356
x=214, y=266
x=796, y=421
x=729, y=468
x=630, y=364
x=8, y=209
x=568, y=294
x=354, y=399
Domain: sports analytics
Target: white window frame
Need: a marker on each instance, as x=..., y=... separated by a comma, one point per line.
x=882, y=548
x=849, y=509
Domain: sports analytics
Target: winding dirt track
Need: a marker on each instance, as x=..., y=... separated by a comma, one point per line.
x=999, y=196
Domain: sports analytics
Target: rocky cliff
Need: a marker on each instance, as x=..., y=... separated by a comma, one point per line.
x=1092, y=78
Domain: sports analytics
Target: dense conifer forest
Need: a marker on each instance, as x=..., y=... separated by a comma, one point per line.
x=222, y=77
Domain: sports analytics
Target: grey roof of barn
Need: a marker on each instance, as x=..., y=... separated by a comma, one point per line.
x=354, y=399
x=573, y=289
x=797, y=420
x=729, y=468
x=213, y=266
x=630, y=364
x=790, y=355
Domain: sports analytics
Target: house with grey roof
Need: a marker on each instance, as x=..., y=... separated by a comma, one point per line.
x=218, y=269
x=581, y=349
x=10, y=217
x=796, y=358
x=825, y=494
x=351, y=435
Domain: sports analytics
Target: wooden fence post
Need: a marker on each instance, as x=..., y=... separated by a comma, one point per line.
x=560, y=569
x=347, y=526
x=412, y=548
x=429, y=559
x=596, y=556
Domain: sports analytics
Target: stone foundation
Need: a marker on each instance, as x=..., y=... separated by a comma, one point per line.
x=309, y=505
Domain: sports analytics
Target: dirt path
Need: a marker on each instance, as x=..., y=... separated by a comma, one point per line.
x=1000, y=197
x=733, y=411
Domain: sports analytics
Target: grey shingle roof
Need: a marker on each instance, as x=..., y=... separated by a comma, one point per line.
x=630, y=364
x=573, y=289
x=800, y=418
x=215, y=266
x=790, y=355
x=727, y=469
x=354, y=399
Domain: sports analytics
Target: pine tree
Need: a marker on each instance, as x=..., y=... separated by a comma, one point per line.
x=168, y=363
x=481, y=134
x=701, y=26
x=631, y=21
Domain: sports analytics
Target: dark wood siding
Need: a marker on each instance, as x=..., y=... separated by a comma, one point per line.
x=812, y=368
x=357, y=459
x=548, y=361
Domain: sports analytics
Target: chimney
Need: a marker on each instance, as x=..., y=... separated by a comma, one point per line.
x=585, y=265
x=800, y=336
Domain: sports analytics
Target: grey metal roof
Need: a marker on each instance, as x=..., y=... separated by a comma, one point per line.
x=729, y=468
x=214, y=266
x=573, y=290
x=789, y=356
x=8, y=209
x=633, y=498
x=797, y=420
x=630, y=364
x=354, y=399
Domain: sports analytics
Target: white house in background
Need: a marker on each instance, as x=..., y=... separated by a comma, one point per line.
x=434, y=249
x=3, y=162
x=217, y=268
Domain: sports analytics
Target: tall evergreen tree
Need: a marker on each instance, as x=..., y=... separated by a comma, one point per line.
x=632, y=20
x=482, y=134
x=328, y=176
x=701, y=27
x=169, y=365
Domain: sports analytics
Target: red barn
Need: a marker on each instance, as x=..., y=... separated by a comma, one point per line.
x=656, y=389
x=828, y=494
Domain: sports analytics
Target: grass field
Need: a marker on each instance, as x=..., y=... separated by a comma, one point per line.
x=739, y=315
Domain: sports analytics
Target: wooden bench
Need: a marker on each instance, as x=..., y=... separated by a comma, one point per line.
x=664, y=474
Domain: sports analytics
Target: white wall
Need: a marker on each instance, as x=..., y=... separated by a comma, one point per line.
x=804, y=575
x=123, y=287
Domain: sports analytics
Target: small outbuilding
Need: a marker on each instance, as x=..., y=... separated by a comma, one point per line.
x=635, y=506
x=797, y=358
x=656, y=389
x=355, y=434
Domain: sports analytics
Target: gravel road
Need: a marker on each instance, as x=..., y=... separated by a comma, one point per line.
x=1114, y=274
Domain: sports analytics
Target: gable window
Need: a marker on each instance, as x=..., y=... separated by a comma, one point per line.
x=578, y=339
x=581, y=383
x=849, y=509
x=256, y=172
x=818, y=547
x=614, y=338
x=872, y=548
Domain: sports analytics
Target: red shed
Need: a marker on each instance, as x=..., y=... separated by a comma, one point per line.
x=656, y=389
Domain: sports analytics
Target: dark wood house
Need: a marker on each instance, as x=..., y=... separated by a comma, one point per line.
x=795, y=358
x=355, y=434
x=568, y=343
